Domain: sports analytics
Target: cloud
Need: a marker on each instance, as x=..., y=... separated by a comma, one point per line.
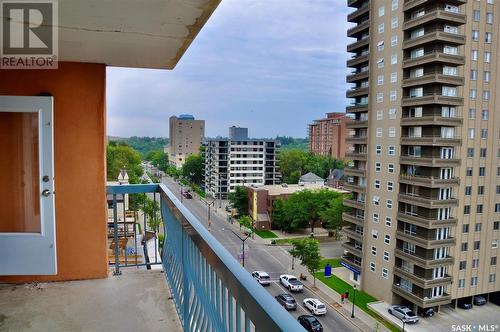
x=270, y=65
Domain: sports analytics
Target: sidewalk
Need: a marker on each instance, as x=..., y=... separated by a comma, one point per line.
x=362, y=320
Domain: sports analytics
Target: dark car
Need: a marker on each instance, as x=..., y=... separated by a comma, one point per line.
x=187, y=194
x=429, y=312
x=287, y=301
x=310, y=323
x=479, y=300
x=465, y=305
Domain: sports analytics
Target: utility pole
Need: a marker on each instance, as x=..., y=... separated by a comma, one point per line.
x=243, y=249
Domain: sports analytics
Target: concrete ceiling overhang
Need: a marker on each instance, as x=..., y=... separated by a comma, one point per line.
x=130, y=33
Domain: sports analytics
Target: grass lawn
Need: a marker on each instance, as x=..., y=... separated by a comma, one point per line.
x=266, y=234
x=334, y=262
x=362, y=298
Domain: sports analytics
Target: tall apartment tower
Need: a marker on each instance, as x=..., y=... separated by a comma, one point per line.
x=186, y=137
x=425, y=173
x=229, y=163
x=327, y=137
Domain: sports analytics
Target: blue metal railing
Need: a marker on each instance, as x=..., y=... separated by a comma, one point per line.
x=211, y=291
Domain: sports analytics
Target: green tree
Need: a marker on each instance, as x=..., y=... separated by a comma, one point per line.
x=159, y=159
x=144, y=145
x=332, y=215
x=246, y=221
x=278, y=214
x=306, y=207
x=307, y=251
x=295, y=162
x=120, y=157
x=193, y=168
x=239, y=200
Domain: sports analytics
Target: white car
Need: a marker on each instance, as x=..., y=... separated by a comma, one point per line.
x=262, y=277
x=315, y=306
x=403, y=313
x=291, y=282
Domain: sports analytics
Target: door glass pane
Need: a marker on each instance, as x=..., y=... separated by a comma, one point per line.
x=19, y=173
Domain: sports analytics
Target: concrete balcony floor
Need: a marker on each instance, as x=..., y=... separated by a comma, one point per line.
x=138, y=300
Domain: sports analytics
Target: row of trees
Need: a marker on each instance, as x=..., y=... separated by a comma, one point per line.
x=295, y=162
x=304, y=208
x=121, y=156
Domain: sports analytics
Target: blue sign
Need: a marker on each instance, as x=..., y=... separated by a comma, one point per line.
x=328, y=271
x=349, y=267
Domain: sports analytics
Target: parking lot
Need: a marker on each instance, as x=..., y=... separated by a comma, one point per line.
x=449, y=319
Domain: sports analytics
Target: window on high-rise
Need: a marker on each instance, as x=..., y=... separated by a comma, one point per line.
x=474, y=55
x=473, y=75
x=489, y=18
x=486, y=76
x=475, y=35
x=476, y=15
x=488, y=37
x=487, y=57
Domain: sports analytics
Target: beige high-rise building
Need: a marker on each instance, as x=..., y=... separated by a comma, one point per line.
x=186, y=137
x=425, y=173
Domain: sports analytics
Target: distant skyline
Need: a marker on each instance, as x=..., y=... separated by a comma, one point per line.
x=259, y=64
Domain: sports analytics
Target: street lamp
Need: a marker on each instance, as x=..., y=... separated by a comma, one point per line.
x=243, y=249
x=353, y=300
x=209, y=205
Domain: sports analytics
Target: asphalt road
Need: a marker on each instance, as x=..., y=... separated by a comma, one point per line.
x=275, y=260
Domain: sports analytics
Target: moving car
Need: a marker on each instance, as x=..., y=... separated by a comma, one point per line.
x=291, y=282
x=287, y=301
x=403, y=312
x=262, y=277
x=315, y=306
x=310, y=323
x=479, y=300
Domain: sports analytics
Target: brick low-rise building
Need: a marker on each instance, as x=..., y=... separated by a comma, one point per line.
x=261, y=199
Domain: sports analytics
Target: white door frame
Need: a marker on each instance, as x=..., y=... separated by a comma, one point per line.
x=34, y=253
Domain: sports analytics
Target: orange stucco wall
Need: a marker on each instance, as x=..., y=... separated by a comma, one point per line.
x=79, y=163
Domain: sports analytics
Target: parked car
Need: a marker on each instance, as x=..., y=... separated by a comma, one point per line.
x=429, y=312
x=310, y=323
x=291, y=282
x=403, y=312
x=187, y=194
x=262, y=277
x=479, y=300
x=287, y=301
x=315, y=306
x=464, y=305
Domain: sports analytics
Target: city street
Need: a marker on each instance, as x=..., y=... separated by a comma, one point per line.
x=275, y=260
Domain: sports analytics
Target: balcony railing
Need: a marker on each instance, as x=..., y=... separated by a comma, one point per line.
x=210, y=289
x=434, y=56
x=430, y=140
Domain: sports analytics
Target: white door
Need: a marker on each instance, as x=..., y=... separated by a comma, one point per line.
x=27, y=219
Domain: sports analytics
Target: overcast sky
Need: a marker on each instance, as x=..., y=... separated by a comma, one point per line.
x=270, y=65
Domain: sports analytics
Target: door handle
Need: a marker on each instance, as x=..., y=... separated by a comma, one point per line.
x=46, y=193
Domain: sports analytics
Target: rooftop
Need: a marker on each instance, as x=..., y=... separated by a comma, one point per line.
x=282, y=189
x=310, y=177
